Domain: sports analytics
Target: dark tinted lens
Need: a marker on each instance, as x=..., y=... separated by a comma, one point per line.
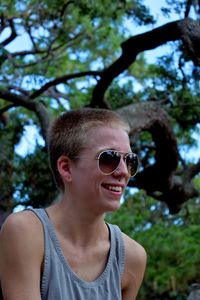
x=109, y=161
x=132, y=163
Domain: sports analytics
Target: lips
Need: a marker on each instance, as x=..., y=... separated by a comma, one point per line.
x=114, y=188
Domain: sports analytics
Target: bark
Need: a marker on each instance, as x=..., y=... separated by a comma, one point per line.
x=161, y=179
x=187, y=30
x=36, y=107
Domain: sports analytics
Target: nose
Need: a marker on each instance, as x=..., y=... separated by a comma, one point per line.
x=122, y=169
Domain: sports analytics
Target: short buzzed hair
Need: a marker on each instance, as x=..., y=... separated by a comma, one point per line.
x=68, y=134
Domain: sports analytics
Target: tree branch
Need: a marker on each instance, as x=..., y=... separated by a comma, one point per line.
x=2, y=23
x=38, y=108
x=5, y=108
x=63, y=9
x=188, y=7
x=12, y=36
x=193, y=170
x=161, y=179
x=190, y=36
x=63, y=79
x=173, y=31
x=149, y=116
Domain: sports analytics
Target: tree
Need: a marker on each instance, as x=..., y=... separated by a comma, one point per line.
x=79, y=53
x=171, y=242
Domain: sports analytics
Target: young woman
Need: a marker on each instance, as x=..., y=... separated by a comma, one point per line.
x=68, y=251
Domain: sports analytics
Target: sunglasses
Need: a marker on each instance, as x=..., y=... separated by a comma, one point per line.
x=109, y=160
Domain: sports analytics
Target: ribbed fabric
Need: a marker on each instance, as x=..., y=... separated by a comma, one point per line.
x=59, y=282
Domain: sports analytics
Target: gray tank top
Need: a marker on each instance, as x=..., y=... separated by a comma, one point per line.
x=59, y=282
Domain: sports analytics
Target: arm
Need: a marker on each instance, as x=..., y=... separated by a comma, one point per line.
x=135, y=264
x=21, y=256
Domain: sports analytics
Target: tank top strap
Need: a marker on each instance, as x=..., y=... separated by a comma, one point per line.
x=42, y=215
x=44, y=219
x=117, y=246
x=58, y=279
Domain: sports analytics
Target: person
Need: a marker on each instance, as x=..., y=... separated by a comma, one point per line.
x=68, y=250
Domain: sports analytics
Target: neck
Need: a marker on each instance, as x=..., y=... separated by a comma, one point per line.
x=80, y=226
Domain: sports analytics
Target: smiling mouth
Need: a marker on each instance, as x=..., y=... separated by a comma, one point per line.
x=114, y=188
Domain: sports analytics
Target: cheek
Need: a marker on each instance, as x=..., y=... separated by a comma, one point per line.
x=87, y=173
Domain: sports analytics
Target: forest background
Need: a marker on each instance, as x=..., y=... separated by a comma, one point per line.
x=58, y=55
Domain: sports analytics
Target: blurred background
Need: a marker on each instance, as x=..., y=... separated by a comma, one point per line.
x=140, y=58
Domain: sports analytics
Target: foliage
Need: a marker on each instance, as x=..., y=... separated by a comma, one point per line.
x=28, y=190
x=171, y=242
x=9, y=137
x=22, y=177
x=54, y=55
x=58, y=37
x=68, y=48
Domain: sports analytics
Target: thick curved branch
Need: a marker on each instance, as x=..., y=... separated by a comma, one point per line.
x=149, y=116
x=187, y=29
x=181, y=189
x=161, y=179
x=63, y=79
x=38, y=108
x=6, y=108
x=190, y=36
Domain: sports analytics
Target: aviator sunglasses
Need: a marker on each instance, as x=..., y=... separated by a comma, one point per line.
x=109, y=160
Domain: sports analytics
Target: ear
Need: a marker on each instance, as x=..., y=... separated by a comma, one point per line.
x=64, y=168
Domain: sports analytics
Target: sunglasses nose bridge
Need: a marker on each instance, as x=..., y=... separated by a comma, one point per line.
x=122, y=166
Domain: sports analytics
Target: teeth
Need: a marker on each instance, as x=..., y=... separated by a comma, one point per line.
x=115, y=188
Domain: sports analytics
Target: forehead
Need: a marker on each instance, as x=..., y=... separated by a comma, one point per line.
x=112, y=137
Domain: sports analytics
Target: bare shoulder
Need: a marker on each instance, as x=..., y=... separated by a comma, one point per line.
x=135, y=264
x=21, y=253
x=22, y=232
x=135, y=252
x=21, y=226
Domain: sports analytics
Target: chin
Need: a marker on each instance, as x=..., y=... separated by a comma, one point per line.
x=113, y=207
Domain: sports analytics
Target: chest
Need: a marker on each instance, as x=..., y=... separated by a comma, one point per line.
x=89, y=262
